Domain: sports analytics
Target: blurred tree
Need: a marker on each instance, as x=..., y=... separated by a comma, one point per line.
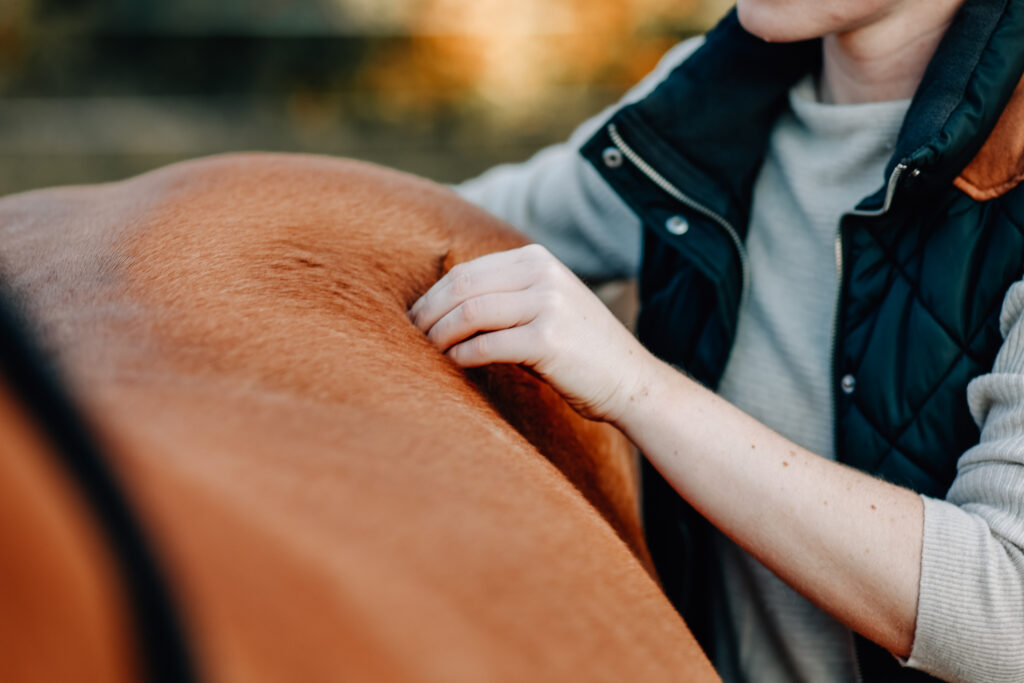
x=97, y=89
x=513, y=55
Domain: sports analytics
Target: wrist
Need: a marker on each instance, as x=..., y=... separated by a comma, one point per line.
x=660, y=390
x=642, y=397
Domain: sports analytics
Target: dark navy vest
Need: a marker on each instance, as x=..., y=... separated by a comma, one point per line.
x=923, y=267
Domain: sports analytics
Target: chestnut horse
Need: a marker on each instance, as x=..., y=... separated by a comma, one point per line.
x=321, y=494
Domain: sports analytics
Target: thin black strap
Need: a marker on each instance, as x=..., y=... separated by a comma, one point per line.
x=34, y=382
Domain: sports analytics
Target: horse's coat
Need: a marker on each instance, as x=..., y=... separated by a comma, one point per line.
x=332, y=499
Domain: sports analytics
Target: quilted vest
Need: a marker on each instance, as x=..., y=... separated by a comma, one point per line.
x=924, y=263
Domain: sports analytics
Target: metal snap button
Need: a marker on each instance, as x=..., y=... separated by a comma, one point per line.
x=677, y=225
x=848, y=383
x=612, y=157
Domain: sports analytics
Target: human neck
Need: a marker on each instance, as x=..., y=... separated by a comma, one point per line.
x=883, y=60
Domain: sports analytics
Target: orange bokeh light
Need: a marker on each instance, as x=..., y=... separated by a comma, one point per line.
x=513, y=54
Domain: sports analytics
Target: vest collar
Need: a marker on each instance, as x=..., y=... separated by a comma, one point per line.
x=963, y=95
x=706, y=127
x=999, y=165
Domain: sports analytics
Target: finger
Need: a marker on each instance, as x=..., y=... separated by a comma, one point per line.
x=484, y=314
x=512, y=345
x=506, y=271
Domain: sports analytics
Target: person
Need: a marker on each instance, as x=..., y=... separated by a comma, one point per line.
x=821, y=201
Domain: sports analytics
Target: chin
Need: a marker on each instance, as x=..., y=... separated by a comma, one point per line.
x=773, y=21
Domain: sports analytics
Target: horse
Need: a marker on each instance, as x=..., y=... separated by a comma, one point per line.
x=312, y=490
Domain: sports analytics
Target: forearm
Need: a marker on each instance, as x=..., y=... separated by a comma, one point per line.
x=849, y=542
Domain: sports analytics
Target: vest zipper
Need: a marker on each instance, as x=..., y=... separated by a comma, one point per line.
x=890, y=190
x=677, y=194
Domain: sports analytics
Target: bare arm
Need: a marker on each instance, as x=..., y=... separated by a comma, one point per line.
x=849, y=542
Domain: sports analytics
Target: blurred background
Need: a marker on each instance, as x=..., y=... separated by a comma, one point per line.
x=94, y=90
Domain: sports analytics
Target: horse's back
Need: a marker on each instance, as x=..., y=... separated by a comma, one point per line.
x=332, y=499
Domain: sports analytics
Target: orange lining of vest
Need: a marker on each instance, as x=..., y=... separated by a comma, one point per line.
x=999, y=165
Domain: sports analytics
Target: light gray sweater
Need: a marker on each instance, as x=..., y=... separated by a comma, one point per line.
x=822, y=160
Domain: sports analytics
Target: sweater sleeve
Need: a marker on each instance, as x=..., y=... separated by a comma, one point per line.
x=970, y=616
x=559, y=200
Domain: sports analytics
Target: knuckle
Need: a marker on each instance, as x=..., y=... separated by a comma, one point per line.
x=453, y=273
x=552, y=299
x=470, y=310
x=462, y=282
x=547, y=336
x=550, y=270
x=536, y=250
x=480, y=346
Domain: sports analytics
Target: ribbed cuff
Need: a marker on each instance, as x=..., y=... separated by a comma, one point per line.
x=964, y=606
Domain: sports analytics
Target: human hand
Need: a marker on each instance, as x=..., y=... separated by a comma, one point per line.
x=525, y=306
